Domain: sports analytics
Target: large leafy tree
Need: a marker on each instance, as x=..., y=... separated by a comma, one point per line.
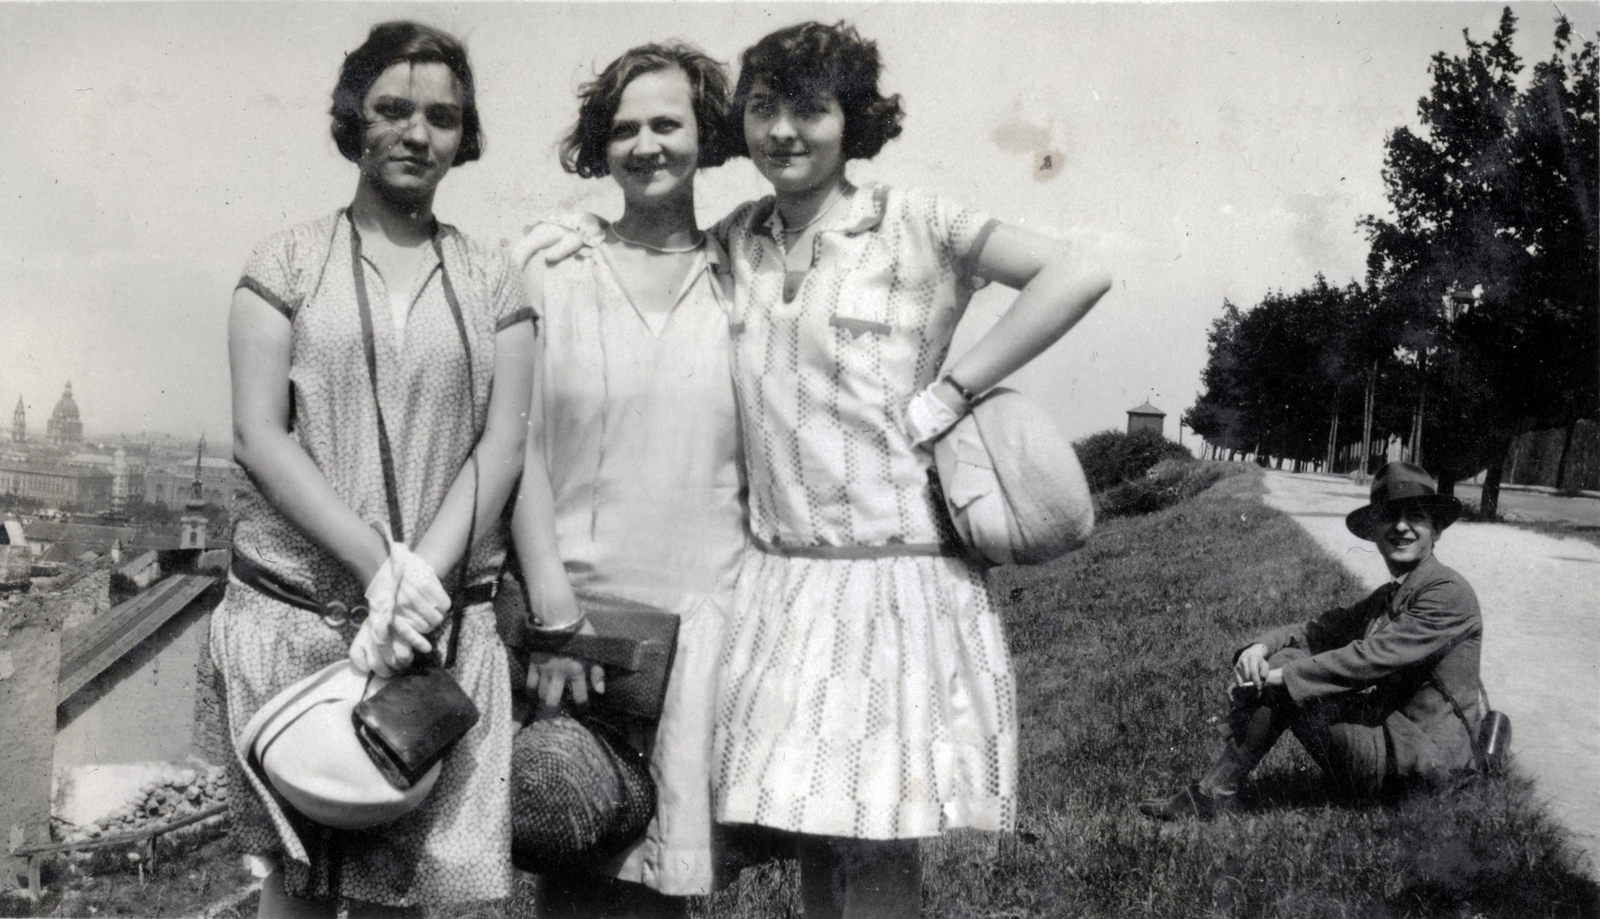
x=1495, y=196
x=1294, y=375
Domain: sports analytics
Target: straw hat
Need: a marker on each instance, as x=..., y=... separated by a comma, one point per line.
x=579, y=794
x=304, y=740
x=1401, y=485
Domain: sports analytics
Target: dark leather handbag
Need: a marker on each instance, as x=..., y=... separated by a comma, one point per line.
x=636, y=644
x=411, y=722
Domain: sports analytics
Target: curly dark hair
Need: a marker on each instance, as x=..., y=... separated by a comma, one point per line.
x=583, y=151
x=401, y=42
x=804, y=61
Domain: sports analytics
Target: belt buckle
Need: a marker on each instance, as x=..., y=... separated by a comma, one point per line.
x=335, y=614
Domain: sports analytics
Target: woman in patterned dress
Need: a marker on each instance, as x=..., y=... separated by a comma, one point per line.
x=378, y=327
x=634, y=420
x=866, y=697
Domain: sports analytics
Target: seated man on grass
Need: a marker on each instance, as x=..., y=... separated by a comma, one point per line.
x=1381, y=694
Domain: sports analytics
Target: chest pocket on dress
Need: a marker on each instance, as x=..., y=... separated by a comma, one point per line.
x=863, y=307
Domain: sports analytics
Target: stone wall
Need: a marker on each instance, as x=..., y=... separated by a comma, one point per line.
x=85, y=597
x=212, y=741
x=30, y=654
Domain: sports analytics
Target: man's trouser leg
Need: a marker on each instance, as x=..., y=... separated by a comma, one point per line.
x=1345, y=737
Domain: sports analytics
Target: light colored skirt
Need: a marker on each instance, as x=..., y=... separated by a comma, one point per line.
x=870, y=699
x=675, y=854
x=455, y=848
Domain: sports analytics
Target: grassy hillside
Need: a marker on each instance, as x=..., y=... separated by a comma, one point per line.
x=1122, y=654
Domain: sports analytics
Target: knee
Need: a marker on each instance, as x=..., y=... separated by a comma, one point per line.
x=1288, y=655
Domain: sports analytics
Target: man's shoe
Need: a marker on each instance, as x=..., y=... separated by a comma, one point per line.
x=1188, y=802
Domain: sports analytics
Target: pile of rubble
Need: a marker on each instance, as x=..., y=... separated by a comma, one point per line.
x=159, y=803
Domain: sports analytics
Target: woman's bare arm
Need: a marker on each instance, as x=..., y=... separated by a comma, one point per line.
x=258, y=352
x=1055, y=292
x=499, y=451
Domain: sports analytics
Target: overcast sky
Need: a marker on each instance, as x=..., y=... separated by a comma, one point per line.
x=1205, y=151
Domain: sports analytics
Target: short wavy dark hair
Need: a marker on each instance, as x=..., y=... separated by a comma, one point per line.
x=397, y=42
x=584, y=149
x=803, y=61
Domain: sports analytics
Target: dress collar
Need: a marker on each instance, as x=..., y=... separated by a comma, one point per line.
x=866, y=211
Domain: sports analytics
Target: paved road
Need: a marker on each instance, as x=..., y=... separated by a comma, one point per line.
x=1541, y=646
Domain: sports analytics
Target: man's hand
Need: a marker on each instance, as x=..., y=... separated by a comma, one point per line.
x=1251, y=668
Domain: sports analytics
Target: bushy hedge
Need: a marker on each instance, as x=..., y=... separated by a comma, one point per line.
x=1110, y=458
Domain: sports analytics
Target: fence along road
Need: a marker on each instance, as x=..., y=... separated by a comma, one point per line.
x=1541, y=633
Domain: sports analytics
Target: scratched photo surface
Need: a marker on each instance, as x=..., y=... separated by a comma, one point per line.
x=1203, y=152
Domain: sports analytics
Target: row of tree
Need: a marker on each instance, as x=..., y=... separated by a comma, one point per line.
x=1479, y=318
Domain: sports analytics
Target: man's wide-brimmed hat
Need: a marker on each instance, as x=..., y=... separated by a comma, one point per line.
x=1398, y=486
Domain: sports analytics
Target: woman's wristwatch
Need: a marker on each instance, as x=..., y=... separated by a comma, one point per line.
x=967, y=395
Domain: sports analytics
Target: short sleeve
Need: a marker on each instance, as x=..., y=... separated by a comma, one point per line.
x=960, y=232
x=286, y=268
x=508, y=299
x=270, y=274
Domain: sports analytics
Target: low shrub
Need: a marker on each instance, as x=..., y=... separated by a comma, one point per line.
x=1110, y=458
x=1167, y=483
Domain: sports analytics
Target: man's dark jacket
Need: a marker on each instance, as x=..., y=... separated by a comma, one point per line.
x=1388, y=645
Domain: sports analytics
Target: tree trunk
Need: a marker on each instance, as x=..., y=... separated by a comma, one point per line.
x=1333, y=436
x=1422, y=408
x=1566, y=450
x=1366, y=421
x=1489, y=503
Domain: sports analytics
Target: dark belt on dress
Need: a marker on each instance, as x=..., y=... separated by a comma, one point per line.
x=890, y=550
x=334, y=612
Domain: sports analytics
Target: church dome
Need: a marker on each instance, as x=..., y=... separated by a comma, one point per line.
x=65, y=429
x=66, y=409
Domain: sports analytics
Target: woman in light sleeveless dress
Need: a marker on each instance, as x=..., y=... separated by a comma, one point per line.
x=633, y=470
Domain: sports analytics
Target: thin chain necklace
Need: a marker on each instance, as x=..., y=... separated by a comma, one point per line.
x=700, y=239
x=796, y=231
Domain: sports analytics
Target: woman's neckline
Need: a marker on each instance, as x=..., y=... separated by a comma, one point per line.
x=828, y=203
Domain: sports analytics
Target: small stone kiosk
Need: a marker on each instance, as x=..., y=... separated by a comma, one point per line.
x=1146, y=418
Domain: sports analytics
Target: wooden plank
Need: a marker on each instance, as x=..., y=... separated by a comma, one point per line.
x=95, y=630
x=123, y=628
x=149, y=832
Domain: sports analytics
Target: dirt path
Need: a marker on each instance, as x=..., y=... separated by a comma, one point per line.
x=1541, y=647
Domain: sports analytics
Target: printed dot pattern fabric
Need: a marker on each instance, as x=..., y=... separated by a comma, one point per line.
x=861, y=698
x=305, y=272
x=455, y=848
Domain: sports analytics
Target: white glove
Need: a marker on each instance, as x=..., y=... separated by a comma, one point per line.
x=405, y=600
x=377, y=650
x=928, y=416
